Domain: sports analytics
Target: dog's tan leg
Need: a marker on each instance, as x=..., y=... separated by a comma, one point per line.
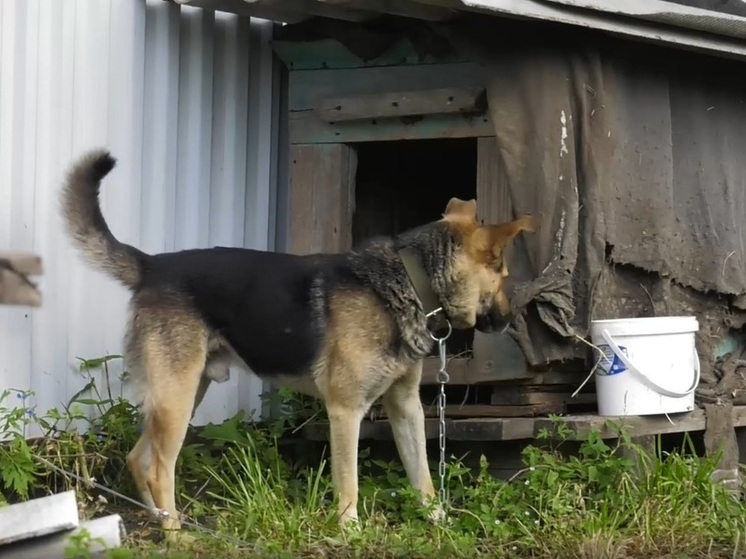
x=173, y=385
x=344, y=431
x=138, y=462
x=404, y=411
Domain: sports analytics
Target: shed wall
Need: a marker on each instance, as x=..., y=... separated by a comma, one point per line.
x=186, y=100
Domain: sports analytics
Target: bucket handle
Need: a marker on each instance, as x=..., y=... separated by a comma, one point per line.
x=650, y=383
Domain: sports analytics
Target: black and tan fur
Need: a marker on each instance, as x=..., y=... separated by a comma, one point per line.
x=348, y=328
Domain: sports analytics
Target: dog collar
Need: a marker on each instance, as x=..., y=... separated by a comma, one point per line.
x=420, y=282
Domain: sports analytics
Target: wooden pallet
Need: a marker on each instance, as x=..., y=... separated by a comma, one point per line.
x=50, y=527
x=486, y=429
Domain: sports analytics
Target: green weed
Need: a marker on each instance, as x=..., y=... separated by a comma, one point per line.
x=605, y=501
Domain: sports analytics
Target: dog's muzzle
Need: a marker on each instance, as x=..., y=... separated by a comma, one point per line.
x=493, y=321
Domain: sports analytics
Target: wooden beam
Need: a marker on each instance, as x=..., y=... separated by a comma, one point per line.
x=307, y=88
x=15, y=286
x=307, y=128
x=402, y=8
x=581, y=425
x=461, y=370
x=449, y=100
x=521, y=428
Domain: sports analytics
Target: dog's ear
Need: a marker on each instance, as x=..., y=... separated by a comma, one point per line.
x=489, y=241
x=464, y=209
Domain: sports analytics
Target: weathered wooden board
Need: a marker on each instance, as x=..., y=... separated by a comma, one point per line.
x=490, y=429
x=329, y=54
x=38, y=517
x=306, y=127
x=321, y=198
x=396, y=104
x=581, y=425
x=487, y=410
x=15, y=286
x=498, y=355
x=101, y=534
x=462, y=370
x=308, y=88
x=517, y=428
x=521, y=396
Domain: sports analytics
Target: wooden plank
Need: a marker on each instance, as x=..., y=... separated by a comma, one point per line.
x=321, y=198
x=498, y=355
x=520, y=428
x=494, y=204
x=457, y=367
x=38, y=517
x=15, y=286
x=101, y=534
x=22, y=262
x=490, y=429
x=459, y=100
x=573, y=378
x=307, y=128
x=307, y=88
x=329, y=54
x=517, y=397
x=475, y=429
x=15, y=289
x=401, y=8
x=581, y=425
x=378, y=430
x=486, y=410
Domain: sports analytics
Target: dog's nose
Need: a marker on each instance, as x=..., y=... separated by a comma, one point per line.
x=492, y=321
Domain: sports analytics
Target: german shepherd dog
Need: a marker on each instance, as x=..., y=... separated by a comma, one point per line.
x=347, y=328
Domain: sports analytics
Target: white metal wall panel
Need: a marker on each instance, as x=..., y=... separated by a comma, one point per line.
x=186, y=100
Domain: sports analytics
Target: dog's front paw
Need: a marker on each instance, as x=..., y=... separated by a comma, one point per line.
x=436, y=514
x=348, y=519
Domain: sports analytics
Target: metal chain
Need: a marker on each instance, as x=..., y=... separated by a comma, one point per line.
x=161, y=514
x=443, y=379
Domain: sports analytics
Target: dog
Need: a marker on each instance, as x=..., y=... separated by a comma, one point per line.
x=348, y=328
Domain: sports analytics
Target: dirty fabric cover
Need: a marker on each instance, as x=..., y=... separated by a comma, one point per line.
x=630, y=154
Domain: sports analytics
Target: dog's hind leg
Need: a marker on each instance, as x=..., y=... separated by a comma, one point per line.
x=138, y=462
x=407, y=419
x=174, y=369
x=344, y=432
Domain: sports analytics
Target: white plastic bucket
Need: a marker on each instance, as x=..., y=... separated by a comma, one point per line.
x=649, y=366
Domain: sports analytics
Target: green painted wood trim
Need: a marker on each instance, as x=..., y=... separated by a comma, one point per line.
x=307, y=88
x=331, y=54
x=307, y=128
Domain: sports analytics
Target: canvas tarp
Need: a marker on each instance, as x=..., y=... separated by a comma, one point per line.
x=634, y=158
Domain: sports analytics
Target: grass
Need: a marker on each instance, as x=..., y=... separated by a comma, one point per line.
x=257, y=503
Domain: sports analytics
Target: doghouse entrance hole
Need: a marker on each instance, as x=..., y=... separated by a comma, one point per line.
x=403, y=184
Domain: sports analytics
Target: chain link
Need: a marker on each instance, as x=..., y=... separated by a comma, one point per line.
x=443, y=379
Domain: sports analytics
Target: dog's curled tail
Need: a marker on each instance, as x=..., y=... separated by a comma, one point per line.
x=86, y=224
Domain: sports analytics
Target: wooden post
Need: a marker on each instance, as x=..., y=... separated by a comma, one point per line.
x=495, y=356
x=720, y=437
x=15, y=286
x=321, y=198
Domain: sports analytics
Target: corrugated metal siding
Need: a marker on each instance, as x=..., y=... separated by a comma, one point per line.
x=186, y=100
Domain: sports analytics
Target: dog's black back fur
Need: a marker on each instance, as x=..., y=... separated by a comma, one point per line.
x=260, y=302
x=270, y=307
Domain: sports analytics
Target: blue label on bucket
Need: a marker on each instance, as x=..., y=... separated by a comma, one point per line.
x=610, y=364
